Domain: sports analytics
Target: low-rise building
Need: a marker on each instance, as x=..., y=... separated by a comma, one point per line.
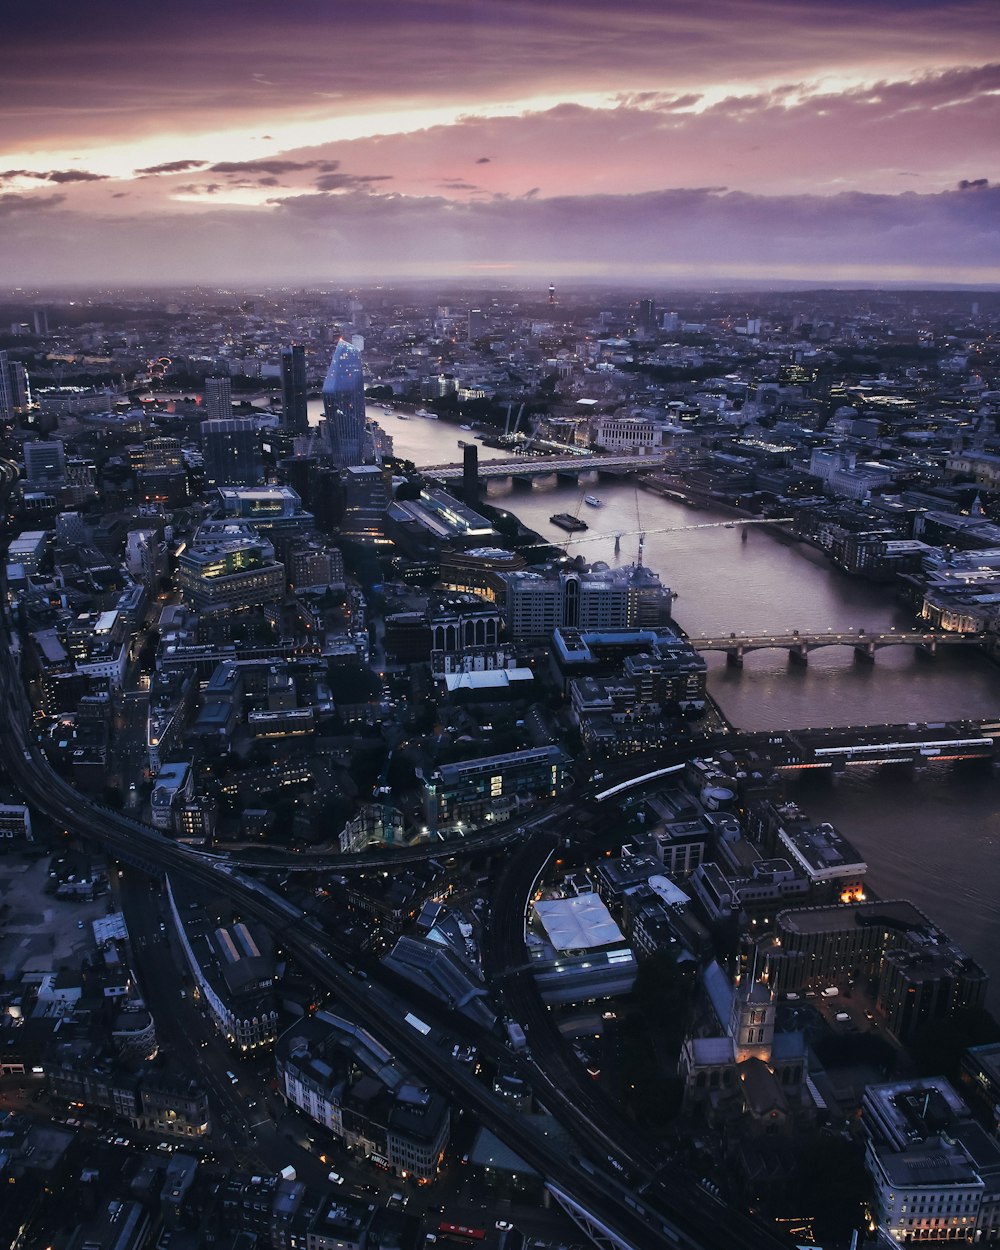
x=341, y=1077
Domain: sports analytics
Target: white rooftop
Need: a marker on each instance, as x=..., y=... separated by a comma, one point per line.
x=580, y=923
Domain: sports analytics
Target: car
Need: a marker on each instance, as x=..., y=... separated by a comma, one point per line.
x=80, y=924
x=831, y=991
x=233, y=1078
x=504, y=1225
x=335, y=1178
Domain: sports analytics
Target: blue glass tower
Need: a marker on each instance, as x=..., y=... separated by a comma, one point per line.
x=344, y=406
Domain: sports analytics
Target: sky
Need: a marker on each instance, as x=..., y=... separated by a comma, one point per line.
x=674, y=142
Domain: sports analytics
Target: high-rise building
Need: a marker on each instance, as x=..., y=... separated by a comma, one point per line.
x=15, y=392
x=294, y=409
x=344, y=406
x=477, y=324
x=218, y=398
x=231, y=450
x=45, y=462
x=6, y=400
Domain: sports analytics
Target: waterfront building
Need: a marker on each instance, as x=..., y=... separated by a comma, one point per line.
x=477, y=570
x=294, y=391
x=600, y=599
x=344, y=406
x=922, y=974
x=627, y=432
x=218, y=399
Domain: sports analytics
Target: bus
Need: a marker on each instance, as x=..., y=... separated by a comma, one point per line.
x=460, y=1232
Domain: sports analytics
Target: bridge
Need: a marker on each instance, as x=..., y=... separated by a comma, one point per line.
x=541, y=466
x=917, y=745
x=798, y=644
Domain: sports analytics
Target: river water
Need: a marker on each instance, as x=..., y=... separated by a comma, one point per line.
x=934, y=840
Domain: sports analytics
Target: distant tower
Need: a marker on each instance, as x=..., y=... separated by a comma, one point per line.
x=41, y=321
x=231, y=450
x=294, y=408
x=6, y=390
x=344, y=406
x=218, y=398
x=477, y=324
x=552, y=293
x=470, y=474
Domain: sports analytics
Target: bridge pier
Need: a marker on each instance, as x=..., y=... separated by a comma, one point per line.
x=734, y=657
x=927, y=650
x=864, y=652
x=521, y=483
x=799, y=654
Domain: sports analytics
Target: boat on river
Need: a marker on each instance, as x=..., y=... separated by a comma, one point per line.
x=571, y=524
x=593, y=501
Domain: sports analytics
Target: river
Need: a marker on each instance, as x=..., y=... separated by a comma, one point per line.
x=935, y=840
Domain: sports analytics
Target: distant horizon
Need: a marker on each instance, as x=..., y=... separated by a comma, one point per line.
x=571, y=286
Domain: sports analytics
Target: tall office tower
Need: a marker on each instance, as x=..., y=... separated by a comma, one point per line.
x=231, y=450
x=647, y=315
x=218, y=398
x=20, y=388
x=41, y=321
x=6, y=399
x=294, y=410
x=477, y=324
x=344, y=406
x=45, y=462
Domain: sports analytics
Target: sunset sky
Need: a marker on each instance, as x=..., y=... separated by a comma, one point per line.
x=687, y=141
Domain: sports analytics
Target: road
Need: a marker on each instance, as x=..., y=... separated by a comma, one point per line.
x=686, y=1220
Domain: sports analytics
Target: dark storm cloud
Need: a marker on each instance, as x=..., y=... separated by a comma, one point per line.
x=170, y=167
x=349, y=182
x=483, y=160
x=702, y=233
x=196, y=67
x=975, y=184
x=265, y=166
x=12, y=203
x=53, y=175
x=72, y=175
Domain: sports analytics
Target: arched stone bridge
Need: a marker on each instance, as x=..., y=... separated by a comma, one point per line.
x=798, y=643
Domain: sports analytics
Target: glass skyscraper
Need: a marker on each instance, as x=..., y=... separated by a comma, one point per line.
x=344, y=406
x=294, y=410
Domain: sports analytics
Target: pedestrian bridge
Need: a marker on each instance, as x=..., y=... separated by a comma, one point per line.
x=540, y=466
x=798, y=643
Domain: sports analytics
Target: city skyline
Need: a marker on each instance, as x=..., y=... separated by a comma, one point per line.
x=834, y=142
